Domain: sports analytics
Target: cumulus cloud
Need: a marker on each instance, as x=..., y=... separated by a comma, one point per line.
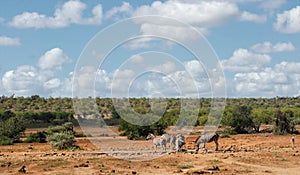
x=281, y=80
x=28, y=80
x=246, y=16
x=53, y=59
x=22, y=81
x=70, y=12
x=244, y=60
x=288, y=21
x=125, y=8
x=271, y=5
x=289, y=67
x=198, y=13
x=166, y=80
x=202, y=15
x=268, y=47
x=8, y=41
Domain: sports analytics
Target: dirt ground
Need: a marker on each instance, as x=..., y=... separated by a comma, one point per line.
x=240, y=154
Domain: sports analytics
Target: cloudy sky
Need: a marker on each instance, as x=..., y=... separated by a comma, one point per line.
x=257, y=43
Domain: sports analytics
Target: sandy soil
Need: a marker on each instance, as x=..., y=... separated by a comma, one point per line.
x=240, y=154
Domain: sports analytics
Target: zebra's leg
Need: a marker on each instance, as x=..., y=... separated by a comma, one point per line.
x=217, y=145
x=204, y=148
x=164, y=147
x=197, y=148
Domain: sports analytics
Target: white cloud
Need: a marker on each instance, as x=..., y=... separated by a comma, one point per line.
x=180, y=33
x=166, y=67
x=268, y=82
x=139, y=43
x=198, y=13
x=28, y=80
x=268, y=47
x=7, y=41
x=244, y=60
x=22, y=81
x=289, y=67
x=202, y=15
x=271, y=5
x=2, y=20
x=52, y=83
x=70, y=12
x=53, y=59
x=137, y=59
x=246, y=16
x=126, y=8
x=288, y=21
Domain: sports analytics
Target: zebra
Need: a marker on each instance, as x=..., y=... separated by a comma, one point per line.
x=157, y=141
x=179, y=142
x=170, y=138
x=293, y=142
x=206, y=138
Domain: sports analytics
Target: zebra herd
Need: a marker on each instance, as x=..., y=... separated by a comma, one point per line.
x=178, y=141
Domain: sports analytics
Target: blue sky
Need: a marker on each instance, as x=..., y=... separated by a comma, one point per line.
x=256, y=41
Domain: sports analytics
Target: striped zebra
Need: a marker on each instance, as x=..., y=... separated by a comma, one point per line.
x=206, y=138
x=169, y=138
x=179, y=142
x=157, y=141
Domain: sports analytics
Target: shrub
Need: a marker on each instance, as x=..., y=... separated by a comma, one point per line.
x=6, y=141
x=61, y=140
x=39, y=137
x=137, y=132
x=282, y=123
x=10, y=127
x=238, y=117
x=61, y=137
x=227, y=132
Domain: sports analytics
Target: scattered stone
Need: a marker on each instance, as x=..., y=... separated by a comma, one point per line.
x=229, y=148
x=113, y=171
x=214, y=168
x=81, y=165
x=22, y=169
x=133, y=172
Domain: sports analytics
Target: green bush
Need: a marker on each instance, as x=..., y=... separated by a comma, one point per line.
x=6, y=141
x=227, y=132
x=62, y=140
x=39, y=137
x=134, y=132
x=10, y=127
x=61, y=137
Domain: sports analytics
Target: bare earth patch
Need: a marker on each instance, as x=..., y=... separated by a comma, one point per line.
x=239, y=154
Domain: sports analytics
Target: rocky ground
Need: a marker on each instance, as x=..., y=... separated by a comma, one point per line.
x=239, y=154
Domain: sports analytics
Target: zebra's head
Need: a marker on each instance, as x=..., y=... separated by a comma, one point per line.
x=150, y=136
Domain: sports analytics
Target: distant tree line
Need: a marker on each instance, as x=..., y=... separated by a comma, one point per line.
x=242, y=115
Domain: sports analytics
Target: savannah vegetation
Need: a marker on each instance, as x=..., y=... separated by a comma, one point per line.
x=241, y=115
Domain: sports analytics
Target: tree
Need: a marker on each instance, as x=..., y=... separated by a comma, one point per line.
x=62, y=136
x=10, y=128
x=260, y=116
x=238, y=117
x=136, y=131
x=282, y=123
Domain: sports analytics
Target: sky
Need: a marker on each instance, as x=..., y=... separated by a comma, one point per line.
x=52, y=48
